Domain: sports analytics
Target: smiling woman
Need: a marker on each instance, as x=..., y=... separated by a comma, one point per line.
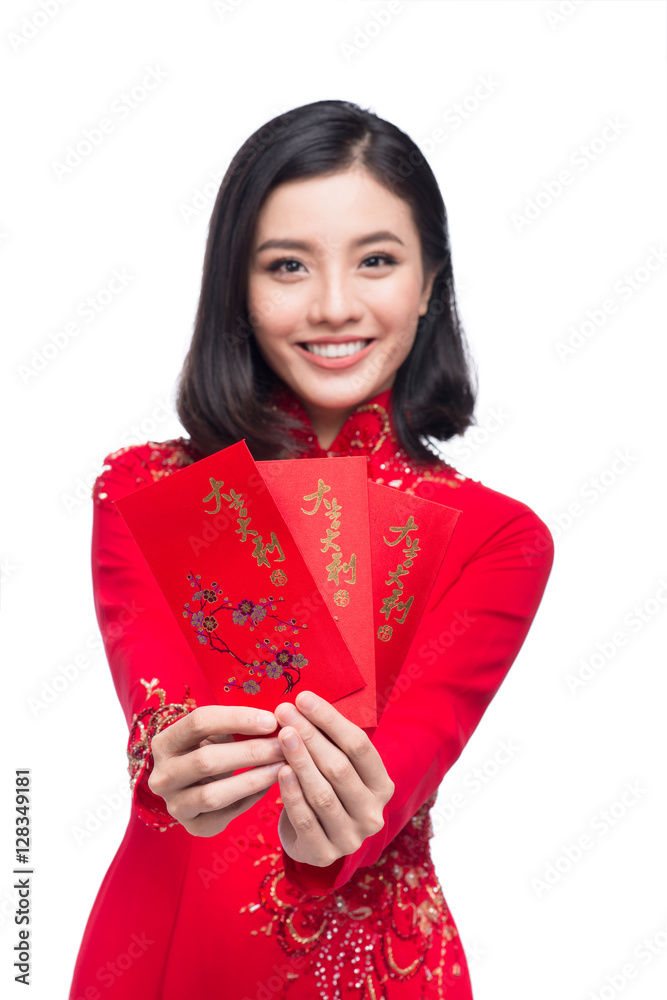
x=345, y=302
x=372, y=264
x=295, y=863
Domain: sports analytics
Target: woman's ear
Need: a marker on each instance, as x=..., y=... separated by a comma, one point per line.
x=429, y=278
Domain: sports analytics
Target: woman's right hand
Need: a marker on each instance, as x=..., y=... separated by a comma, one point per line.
x=194, y=760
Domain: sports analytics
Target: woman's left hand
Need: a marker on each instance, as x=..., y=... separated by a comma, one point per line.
x=333, y=789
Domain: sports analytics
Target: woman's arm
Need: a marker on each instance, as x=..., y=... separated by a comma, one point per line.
x=164, y=694
x=468, y=638
x=157, y=679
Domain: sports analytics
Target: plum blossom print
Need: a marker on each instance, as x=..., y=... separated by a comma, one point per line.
x=210, y=610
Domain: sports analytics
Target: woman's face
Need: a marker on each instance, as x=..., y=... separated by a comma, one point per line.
x=335, y=287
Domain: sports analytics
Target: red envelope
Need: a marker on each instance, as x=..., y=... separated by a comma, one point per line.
x=404, y=539
x=238, y=583
x=324, y=502
x=409, y=538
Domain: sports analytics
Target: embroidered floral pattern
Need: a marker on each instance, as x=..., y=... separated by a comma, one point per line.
x=389, y=922
x=369, y=431
x=450, y=478
x=148, y=462
x=146, y=723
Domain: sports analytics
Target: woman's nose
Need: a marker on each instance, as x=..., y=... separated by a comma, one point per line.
x=334, y=300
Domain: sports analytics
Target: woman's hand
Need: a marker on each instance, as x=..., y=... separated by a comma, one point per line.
x=334, y=787
x=194, y=760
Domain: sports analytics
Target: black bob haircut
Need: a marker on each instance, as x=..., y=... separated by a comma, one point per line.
x=224, y=386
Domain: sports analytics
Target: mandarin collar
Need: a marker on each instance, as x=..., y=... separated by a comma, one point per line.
x=364, y=432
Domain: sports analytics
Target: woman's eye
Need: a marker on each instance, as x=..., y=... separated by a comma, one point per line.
x=277, y=265
x=284, y=265
x=383, y=258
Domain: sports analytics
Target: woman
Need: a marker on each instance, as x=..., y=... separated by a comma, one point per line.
x=327, y=326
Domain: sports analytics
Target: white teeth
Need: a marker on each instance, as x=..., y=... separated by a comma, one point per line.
x=336, y=350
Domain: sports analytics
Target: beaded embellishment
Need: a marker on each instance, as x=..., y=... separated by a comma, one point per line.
x=369, y=431
x=151, y=720
x=389, y=922
x=148, y=463
x=450, y=478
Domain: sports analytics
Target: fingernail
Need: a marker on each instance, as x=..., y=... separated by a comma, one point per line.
x=307, y=701
x=287, y=714
x=266, y=721
x=291, y=741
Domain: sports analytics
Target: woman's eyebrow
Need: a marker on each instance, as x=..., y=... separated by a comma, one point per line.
x=285, y=244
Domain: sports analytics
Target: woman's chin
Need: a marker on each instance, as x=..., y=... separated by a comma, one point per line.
x=338, y=394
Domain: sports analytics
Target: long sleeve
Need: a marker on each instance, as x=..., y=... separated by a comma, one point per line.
x=478, y=615
x=156, y=677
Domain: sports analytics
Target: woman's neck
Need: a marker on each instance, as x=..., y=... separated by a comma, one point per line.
x=327, y=423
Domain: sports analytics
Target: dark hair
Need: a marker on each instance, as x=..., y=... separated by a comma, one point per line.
x=224, y=386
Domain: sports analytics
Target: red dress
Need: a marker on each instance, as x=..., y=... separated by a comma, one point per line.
x=232, y=916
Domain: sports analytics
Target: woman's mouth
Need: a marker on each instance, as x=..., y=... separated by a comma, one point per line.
x=333, y=350
x=331, y=354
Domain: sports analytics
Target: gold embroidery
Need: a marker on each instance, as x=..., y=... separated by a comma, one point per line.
x=382, y=925
x=372, y=995
x=299, y=938
x=453, y=480
x=146, y=724
x=383, y=416
x=171, y=455
x=401, y=973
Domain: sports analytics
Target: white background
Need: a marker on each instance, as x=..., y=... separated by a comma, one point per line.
x=550, y=425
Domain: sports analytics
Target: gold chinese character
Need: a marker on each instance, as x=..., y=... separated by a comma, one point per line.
x=393, y=577
x=334, y=512
x=411, y=551
x=394, y=603
x=404, y=606
x=410, y=526
x=260, y=550
x=317, y=497
x=235, y=501
x=335, y=567
x=243, y=530
x=329, y=541
x=215, y=492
